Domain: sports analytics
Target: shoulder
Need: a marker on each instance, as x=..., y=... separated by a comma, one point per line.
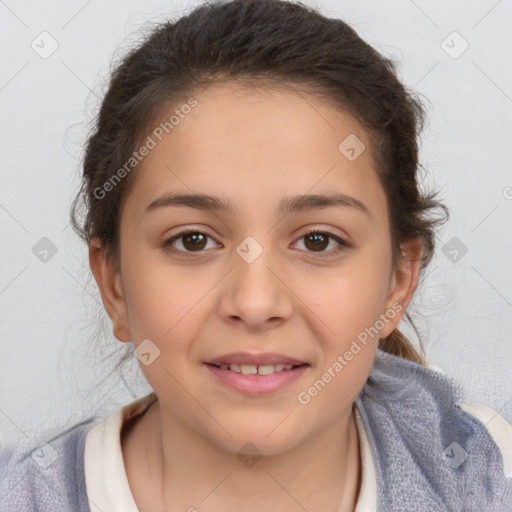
x=456, y=451
x=45, y=474
x=498, y=428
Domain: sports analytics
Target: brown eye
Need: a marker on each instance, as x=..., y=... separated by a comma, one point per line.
x=317, y=241
x=191, y=241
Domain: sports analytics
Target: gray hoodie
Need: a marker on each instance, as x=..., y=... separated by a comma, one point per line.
x=429, y=454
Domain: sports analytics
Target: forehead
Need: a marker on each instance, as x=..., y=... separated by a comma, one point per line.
x=256, y=145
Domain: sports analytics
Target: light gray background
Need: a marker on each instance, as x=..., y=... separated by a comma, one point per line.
x=50, y=355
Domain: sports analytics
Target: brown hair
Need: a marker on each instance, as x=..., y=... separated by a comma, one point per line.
x=261, y=42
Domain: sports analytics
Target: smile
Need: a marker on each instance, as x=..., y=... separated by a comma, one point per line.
x=250, y=369
x=255, y=380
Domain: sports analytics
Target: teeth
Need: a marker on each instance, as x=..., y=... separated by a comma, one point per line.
x=250, y=369
x=266, y=370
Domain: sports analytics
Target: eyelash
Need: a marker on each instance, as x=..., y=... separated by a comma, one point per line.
x=343, y=244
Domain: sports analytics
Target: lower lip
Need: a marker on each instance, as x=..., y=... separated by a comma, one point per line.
x=257, y=384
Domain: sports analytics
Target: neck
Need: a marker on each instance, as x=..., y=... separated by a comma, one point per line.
x=162, y=457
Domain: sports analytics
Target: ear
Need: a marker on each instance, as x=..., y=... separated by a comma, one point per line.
x=403, y=283
x=109, y=283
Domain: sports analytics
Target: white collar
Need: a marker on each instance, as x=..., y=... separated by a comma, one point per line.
x=105, y=474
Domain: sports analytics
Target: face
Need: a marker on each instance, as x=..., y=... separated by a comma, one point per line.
x=253, y=279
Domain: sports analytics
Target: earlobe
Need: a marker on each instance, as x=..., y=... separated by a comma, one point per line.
x=404, y=281
x=108, y=279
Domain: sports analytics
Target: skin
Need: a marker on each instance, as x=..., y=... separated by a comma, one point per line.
x=253, y=147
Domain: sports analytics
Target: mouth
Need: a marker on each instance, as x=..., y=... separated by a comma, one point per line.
x=251, y=369
x=256, y=373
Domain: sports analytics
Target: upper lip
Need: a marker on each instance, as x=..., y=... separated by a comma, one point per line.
x=254, y=359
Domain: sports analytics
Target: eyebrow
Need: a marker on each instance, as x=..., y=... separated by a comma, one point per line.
x=286, y=205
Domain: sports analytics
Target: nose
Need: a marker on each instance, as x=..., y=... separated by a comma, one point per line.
x=256, y=293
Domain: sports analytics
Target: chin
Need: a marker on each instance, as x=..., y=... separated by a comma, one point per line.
x=263, y=441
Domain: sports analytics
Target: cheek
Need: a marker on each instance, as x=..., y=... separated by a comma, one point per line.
x=350, y=299
x=348, y=334
x=166, y=309
x=161, y=297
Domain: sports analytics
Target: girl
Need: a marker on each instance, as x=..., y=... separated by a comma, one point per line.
x=263, y=311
